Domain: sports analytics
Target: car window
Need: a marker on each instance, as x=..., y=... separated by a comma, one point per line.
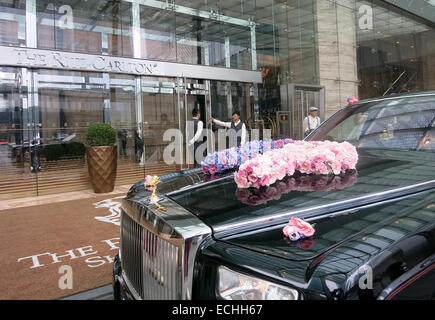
x=403, y=124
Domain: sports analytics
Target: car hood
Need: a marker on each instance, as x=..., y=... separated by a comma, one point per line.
x=380, y=175
x=350, y=238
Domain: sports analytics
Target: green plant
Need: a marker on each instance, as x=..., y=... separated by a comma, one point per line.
x=52, y=152
x=100, y=134
x=75, y=149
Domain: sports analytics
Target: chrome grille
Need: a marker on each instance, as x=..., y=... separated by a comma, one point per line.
x=151, y=265
x=131, y=252
x=161, y=272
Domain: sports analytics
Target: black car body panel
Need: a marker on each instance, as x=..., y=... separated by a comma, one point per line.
x=383, y=217
x=379, y=177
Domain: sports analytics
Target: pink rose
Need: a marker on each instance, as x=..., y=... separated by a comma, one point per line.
x=302, y=227
x=264, y=181
x=212, y=169
x=241, y=181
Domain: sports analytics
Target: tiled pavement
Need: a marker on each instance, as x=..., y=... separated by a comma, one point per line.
x=59, y=197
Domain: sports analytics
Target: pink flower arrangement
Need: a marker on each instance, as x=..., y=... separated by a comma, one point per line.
x=232, y=158
x=307, y=157
x=352, y=100
x=298, y=229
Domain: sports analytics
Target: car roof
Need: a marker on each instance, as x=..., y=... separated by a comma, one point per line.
x=397, y=96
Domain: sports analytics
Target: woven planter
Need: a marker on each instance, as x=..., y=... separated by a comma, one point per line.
x=102, y=163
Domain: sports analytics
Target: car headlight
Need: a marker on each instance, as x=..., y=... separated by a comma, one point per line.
x=237, y=286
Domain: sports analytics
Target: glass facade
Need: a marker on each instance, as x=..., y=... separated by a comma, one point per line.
x=309, y=53
x=93, y=26
x=396, y=55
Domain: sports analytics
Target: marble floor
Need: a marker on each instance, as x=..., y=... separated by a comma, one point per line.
x=59, y=197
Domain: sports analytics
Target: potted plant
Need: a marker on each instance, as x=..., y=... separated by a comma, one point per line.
x=101, y=153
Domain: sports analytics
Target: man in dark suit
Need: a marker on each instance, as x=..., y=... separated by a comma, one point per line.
x=197, y=129
x=237, y=125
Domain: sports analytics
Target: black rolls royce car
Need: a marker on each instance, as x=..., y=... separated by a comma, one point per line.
x=374, y=226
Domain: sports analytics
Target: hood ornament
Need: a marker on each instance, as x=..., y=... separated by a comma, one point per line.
x=151, y=183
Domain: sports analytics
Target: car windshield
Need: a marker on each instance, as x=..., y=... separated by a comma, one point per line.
x=406, y=123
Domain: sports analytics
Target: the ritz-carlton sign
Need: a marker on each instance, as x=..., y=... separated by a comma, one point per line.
x=74, y=61
x=48, y=59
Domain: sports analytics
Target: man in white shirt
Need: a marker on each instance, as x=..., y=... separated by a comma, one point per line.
x=236, y=125
x=311, y=122
x=197, y=129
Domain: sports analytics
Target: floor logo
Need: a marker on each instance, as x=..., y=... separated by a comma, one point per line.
x=114, y=206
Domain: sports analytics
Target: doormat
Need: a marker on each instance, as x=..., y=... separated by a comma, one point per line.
x=55, y=250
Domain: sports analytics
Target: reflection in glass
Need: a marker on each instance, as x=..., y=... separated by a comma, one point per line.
x=15, y=133
x=13, y=22
x=298, y=182
x=98, y=27
x=69, y=102
x=402, y=124
x=159, y=103
x=394, y=56
x=157, y=34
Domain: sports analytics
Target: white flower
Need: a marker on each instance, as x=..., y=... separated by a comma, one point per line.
x=293, y=234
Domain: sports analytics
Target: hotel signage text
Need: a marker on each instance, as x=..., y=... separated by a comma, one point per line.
x=55, y=59
x=49, y=59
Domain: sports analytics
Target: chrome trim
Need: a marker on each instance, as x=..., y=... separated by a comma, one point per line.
x=132, y=253
x=315, y=211
x=405, y=277
x=178, y=227
x=130, y=286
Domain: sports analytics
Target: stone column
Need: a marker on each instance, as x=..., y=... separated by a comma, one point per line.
x=336, y=36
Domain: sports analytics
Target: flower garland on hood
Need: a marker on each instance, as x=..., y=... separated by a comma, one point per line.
x=232, y=158
x=307, y=157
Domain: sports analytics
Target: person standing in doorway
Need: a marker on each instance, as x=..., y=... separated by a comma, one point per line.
x=122, y=137
x=197, y=129
x=312, y=121
x=237, y=125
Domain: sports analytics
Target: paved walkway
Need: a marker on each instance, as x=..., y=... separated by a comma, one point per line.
x=39, y=235
x=58, y=197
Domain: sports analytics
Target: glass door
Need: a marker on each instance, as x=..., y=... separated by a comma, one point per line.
x=65, y=104
x=16, y=130
x=160, y=115
x=194, y=94
x=226, y=98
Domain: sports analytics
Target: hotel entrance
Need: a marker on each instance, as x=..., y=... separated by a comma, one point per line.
x=44, y=115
